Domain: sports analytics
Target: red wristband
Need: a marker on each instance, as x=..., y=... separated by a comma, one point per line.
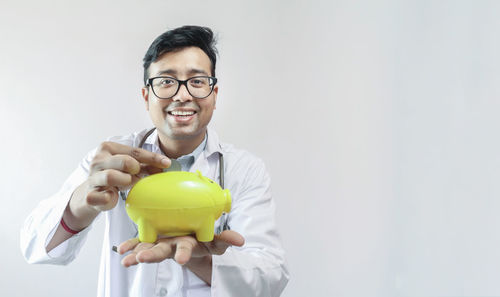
x=68, y=229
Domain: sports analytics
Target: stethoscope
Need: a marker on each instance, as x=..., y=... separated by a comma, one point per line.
x=224, y=225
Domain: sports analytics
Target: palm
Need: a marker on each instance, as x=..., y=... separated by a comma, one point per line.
x=181, y=248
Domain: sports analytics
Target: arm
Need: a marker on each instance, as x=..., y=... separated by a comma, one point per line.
x=83, y=197
x=42, y=223
x=78, y=219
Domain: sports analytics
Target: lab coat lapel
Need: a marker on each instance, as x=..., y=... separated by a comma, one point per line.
x=207, y=161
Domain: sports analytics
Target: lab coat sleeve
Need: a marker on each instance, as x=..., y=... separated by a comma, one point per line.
x=40, y=226
x=259, y=267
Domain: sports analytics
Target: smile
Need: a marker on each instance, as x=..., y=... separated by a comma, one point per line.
x=184, y=113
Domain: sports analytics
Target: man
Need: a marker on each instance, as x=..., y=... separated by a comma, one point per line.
x=180, y=95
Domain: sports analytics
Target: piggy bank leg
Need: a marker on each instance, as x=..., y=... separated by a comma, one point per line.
x=206, y=231
x=147, y=233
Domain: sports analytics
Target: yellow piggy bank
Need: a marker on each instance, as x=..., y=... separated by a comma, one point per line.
x=176, y=203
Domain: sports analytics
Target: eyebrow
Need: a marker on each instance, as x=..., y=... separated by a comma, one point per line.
x=191, y=71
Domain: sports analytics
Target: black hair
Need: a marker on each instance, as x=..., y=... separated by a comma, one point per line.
x=179, y=38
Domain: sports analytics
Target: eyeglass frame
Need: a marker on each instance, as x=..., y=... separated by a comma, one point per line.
x=180, y=83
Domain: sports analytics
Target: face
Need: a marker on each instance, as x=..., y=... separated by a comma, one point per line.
x=181, y=117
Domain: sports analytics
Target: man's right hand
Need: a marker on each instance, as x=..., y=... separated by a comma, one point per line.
x=118, y=167
x=115, y=167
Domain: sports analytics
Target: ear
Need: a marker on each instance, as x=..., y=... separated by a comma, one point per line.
x=216, y=91
x=145, y=96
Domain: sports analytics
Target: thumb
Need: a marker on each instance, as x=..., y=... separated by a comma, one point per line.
x=230, y=237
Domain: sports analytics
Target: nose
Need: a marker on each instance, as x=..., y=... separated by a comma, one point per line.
x=182, y=94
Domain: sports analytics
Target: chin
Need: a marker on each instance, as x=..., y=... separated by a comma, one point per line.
x=181, y=136
x=182, y=133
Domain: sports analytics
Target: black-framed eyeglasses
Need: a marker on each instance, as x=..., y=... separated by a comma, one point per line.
x=166, y=87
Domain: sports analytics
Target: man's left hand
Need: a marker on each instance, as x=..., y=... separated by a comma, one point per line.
x=181, y=248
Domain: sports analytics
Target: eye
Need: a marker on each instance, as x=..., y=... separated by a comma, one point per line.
x=166, y=82
x=198, y=81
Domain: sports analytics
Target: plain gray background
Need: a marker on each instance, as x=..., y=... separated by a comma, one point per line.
x=378, y=121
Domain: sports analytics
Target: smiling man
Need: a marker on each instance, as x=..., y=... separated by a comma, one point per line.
x=180, y=94
x=182, y=120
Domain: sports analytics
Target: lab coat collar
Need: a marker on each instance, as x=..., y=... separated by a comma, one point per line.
x=153, y=139
x=213, y=145
x=207, y=162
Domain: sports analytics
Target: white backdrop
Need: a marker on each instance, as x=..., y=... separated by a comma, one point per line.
x=378, y=121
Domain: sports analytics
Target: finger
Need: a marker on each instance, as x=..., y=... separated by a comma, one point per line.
x=119, y=162
x=142, y=246
x=110, y=177
x=128, y=245
x=148, y=169
x=104, y=198
x=131, y=259
x=134, y=179
x=231, y=237
x=161, y=251
x=141, y=155
x=224, y=240
x=183, y=251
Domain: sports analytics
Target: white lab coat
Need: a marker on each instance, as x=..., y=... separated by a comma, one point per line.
x=256, y=269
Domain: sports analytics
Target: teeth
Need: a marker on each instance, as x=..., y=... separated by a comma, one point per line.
x=182, y=113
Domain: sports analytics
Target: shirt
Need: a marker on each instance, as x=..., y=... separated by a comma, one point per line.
x=256, y=269
x=187, y=161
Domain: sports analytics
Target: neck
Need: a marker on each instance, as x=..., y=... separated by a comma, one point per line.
x=174, y=148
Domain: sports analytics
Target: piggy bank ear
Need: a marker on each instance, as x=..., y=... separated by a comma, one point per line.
x=204, y=178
